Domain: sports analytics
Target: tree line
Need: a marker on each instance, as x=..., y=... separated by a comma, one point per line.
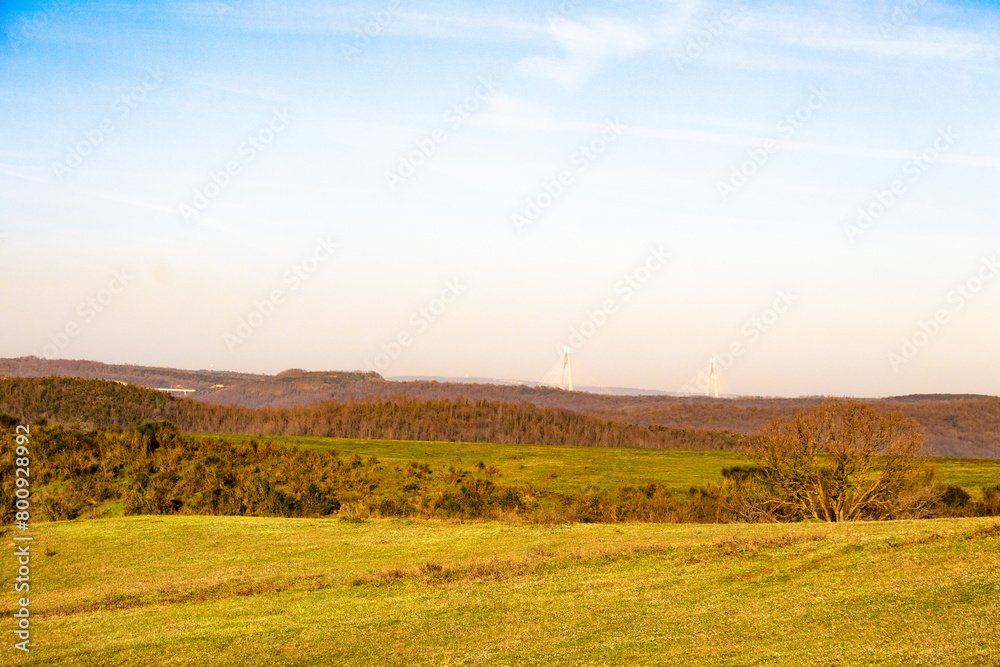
x=106, y=404
x=966, y=425
x=151, y=468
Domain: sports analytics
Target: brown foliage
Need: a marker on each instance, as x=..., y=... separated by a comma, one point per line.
x=844, y=461
x=105, y=404
x=955, y=425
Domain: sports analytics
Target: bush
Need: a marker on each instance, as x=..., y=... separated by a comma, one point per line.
x=990, y=505
x=844, y=461
x=955, y=496
x=742, y=472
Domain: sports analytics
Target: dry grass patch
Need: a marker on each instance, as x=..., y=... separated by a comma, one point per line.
x=227, y=589
x=435, y=574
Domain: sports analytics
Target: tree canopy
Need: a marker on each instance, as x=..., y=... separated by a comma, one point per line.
x=844, y=460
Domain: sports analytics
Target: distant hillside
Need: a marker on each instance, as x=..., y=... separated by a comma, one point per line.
x=107, y=404
x=614, y=391
x=956, y=425
x=204, y=381
x=142, y=375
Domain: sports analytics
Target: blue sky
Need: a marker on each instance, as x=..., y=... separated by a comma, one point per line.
x=498, y=183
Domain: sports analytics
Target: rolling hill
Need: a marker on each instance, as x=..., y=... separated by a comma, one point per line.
x=955, y=425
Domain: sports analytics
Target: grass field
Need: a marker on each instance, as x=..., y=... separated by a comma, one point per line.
x=258, y=591
x=275, y=591
x=572, y=469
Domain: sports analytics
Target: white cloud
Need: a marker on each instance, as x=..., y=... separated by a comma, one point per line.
x=588, y=46
x=853, y=33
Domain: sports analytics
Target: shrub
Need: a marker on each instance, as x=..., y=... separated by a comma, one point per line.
x=955, y=496
x=844, y=461
x=990, y=505
x=742, y=472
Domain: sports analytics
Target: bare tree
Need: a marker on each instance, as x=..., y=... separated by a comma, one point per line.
x=844, y=461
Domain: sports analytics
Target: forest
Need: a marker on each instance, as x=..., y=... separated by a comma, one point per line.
x=955, y=425
x=107, y=404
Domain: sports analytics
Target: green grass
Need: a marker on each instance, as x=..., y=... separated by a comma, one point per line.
x=574, y=468
x=255, y=591
x=970, y=474
x=234, y=591
x=578, y=468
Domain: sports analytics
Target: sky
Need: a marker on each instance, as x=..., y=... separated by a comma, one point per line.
x=806, y=192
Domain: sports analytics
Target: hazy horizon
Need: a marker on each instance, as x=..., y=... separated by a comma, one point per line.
x=805, y=192
x=591, y=389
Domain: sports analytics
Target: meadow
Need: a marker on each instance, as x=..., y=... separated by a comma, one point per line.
x=338, y=590
x=267, y=591
x=576, y=469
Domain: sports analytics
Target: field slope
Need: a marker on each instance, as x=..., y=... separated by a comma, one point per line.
x=259, y=591
x=576, y=469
